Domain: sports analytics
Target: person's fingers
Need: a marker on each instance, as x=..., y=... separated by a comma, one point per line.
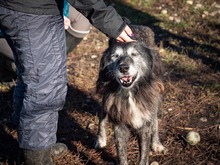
x=126, y=35
x=66, y=22
x=129, y=31
x=120, y=40
x=123, y=37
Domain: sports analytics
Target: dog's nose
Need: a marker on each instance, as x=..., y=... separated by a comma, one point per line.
x=123, y=68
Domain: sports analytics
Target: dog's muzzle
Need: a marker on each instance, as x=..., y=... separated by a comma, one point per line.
x=125, y=79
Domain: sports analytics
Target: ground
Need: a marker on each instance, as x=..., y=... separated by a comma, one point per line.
x=187, y=34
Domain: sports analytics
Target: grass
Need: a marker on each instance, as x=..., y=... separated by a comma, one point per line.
x=181, y=61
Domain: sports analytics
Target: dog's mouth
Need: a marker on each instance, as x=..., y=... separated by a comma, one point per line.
x=127, y=80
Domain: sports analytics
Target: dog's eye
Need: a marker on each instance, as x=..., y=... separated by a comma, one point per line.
x=115, y=55
x=133, y=54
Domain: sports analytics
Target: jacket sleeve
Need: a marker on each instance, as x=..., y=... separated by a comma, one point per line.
x=105, y=18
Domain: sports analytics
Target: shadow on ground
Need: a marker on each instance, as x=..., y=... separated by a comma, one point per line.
x=187, y=45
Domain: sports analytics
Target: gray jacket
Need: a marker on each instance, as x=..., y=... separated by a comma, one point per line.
x=103, y=17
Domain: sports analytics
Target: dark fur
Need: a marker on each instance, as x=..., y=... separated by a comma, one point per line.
x=121, y=102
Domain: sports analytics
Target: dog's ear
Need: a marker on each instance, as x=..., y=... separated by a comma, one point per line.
x=111, y=41
x=154, y=60
x=105, y=74
x=144, y=35
x=104, y=67
x=147, y=53
x=100, y=82
x=157, y=67
x=104, y=79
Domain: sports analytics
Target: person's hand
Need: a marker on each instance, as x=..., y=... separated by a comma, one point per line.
x=66, y=22
x=126, y=35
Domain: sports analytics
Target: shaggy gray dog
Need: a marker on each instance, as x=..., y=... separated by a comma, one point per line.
x=131, y=87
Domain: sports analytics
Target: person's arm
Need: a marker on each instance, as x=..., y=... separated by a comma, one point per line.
x=105, y=18
x=66, y=14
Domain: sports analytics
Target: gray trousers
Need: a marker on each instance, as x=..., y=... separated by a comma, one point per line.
x=38, y=45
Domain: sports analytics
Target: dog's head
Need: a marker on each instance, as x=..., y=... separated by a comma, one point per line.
x=125, y=63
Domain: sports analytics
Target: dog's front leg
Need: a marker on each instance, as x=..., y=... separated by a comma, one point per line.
x=101, y=139
x=144, y=144
x=121, y=138
x=156, y=144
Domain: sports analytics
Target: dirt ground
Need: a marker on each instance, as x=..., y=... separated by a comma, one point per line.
x=188, y=37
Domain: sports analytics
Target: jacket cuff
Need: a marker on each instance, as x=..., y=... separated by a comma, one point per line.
x=105, y=18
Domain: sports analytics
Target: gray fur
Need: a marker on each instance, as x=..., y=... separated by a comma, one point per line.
x=131, y=86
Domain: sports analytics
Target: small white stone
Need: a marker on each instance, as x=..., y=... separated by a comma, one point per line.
x=170, y=109
x=171, y=18
x=94, y=56
x=198, y=6
x=203, y=15
x=154, y=163
x=203, y=119
x=177, y=20
x=85, y=38
x=189, y=2
x=164, y=11
x=92, y=65
x=206, y=12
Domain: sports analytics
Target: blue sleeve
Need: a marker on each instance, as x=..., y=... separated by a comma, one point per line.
x=66, y=9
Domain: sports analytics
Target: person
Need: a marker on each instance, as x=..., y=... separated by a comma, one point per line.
x=77, y=26
x=35, y=32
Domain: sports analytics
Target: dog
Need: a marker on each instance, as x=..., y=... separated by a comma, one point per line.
x=130, y=83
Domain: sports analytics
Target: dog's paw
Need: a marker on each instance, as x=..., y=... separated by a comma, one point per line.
x=100, y=143
x=157, y=147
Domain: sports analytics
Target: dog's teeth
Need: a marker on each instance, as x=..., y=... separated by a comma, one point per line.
x=126, y=80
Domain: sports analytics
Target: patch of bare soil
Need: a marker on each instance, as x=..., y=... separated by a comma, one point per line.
x=191, y=100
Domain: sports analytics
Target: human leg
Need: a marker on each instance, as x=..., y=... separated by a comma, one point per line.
x=40, y=57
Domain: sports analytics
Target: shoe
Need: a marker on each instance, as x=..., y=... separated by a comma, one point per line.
x=44, y=157
x=58, y=150
x=39, y=157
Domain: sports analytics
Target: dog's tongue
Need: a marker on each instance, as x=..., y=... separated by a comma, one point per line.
x=126, y=78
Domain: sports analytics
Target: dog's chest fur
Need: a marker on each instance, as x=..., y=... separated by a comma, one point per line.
x=129, y=108
x=138, y=116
